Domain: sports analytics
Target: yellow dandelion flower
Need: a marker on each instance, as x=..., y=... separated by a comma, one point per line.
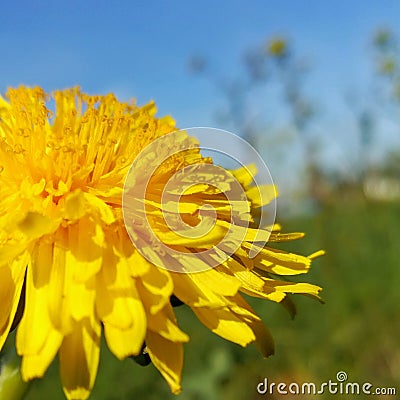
x=69, y=271
x=277, y=47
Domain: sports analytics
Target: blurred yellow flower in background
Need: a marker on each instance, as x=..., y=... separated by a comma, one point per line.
x=277, y=47
x=67, y=260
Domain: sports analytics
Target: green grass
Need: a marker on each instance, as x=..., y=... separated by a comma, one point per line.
x=357, y=330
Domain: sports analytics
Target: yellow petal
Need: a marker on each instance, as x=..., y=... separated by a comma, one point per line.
x=155, y=288
x=251, y=283
x=38, y=346
x=30, y=341
x=284, y=237
x=226, y=324
x=75, y=205
x=281, y=263
x=35, y=365
x=12, y=279
x=245, y=175
x=102, y=209
x=167, y=357
x=61, y=275
x=138, y=265
x=127, y=253
x=164, y=323
x=85, y=249
x=79, y=359
x=247, y=278
x=180, y=237
x=204, y=289
x=261, y=195
x=12, y=251
x=264, y=340
x=81, y=299
x=294, y=287
x=126, y=342
x=35, y=225
x=4, y=105
x=268, y=293
x=120, y=307
x=318, y=253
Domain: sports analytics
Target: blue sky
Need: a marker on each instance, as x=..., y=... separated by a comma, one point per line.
x=141, y=49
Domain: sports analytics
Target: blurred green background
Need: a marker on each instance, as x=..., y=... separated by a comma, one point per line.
x=316, y=89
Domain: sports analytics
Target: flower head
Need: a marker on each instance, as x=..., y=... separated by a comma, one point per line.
x=66, y=254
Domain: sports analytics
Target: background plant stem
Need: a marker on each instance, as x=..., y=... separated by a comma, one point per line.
x=12, y=387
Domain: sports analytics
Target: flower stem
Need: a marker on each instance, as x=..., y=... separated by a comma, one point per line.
x=12, y=387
